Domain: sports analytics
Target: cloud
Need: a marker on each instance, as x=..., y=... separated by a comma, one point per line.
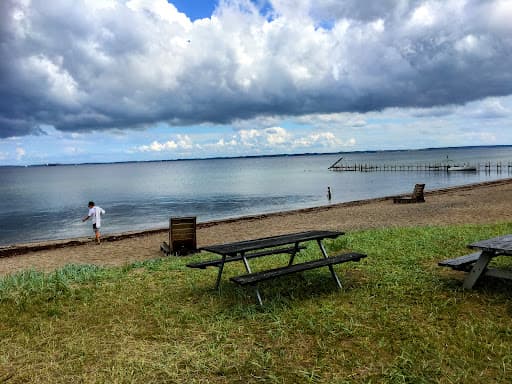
x=70, y=150
x=490, y=109
x=272, y=137
x=252, y=141
x=20, y=153
x=91, y=64
x=62, y=88
x=224, y=143
x=355, y=120
x=182, y=142
x=325, y=140
x=155, y=146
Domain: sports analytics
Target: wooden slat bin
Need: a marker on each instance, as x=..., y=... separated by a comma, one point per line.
x=182, y=236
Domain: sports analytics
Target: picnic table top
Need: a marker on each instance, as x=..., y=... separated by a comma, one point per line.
x=500, y=243
x=267, y=242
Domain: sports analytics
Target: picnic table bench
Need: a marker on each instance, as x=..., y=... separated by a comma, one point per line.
x=256, y=277
x=245, y=250
x=461, y=263
x=477, y=263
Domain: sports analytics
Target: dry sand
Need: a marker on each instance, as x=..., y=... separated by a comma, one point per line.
x=478, y=203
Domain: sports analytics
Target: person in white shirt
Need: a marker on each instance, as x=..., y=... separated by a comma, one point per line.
x=95, y=212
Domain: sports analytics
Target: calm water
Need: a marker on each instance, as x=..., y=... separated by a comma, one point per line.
x=41, y=203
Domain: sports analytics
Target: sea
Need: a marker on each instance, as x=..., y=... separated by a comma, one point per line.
x=40, y=203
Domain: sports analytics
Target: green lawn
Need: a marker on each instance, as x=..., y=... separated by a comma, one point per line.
x=399, y=319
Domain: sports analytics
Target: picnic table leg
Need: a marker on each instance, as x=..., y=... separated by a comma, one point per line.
x=478, y=269
x=292, y=255
x=333, y=273
x=221, y=268
x=248, y=269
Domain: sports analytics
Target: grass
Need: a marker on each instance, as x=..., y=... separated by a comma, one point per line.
x=399, y=319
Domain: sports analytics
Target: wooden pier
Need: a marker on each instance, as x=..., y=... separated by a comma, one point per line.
x=430, y=167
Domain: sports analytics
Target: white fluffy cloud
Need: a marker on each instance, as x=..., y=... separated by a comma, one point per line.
x=252, y=141
x=182, y=142
x=86, y=65
x=323, y=140
x=268, y=137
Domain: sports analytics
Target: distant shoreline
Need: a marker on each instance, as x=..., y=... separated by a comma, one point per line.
x=253, y=156
x=21, y=248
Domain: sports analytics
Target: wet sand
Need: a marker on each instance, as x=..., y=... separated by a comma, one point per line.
x=479, y=203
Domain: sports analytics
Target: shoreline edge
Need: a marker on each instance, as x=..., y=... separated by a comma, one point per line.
x=22, y=248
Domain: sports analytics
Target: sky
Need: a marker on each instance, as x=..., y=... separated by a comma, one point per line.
x=134, y=80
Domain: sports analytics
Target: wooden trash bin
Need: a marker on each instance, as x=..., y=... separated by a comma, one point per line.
x=182, y=236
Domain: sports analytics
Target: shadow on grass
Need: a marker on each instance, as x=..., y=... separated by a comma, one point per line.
x=277, y=293
x=488, y=290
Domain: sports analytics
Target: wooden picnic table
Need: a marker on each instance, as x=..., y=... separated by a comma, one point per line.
x=248, y=249
x=476, y=264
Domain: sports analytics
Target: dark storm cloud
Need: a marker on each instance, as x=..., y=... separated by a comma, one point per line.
x=92, y=65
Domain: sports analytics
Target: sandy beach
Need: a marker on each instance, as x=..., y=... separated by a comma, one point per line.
x=489, y=202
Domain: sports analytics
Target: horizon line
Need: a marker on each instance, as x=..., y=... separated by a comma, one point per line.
x=252, y=156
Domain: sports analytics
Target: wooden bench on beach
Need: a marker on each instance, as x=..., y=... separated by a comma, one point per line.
x=416, y=197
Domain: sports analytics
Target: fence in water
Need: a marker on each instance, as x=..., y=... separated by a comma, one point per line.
x=498, y=167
